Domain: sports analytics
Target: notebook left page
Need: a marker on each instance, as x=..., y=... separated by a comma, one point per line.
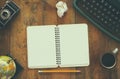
x=41, y=46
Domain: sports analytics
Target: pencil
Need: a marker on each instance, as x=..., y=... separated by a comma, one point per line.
x=58, y=70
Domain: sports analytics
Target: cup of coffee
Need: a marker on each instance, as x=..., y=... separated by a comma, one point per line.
x=108, y=60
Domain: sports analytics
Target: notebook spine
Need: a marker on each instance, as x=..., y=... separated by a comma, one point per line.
x=57, y=43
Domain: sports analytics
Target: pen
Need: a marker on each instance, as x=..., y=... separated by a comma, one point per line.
x=58, y=70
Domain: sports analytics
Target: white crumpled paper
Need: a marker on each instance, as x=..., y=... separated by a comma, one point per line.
x=61, y=8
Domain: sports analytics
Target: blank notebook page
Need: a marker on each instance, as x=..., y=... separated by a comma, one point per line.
x=41, y=46
x=74, y=45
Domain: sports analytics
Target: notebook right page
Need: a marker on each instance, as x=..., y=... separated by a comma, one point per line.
x=74, y=46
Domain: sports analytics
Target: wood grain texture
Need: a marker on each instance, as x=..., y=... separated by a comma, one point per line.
x=43, y=12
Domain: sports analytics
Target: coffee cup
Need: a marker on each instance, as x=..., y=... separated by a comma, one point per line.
x=108, y=59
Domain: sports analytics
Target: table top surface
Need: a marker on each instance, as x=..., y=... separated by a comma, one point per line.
x=43, y=12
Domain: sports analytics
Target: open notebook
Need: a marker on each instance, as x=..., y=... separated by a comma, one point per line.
x=50, y=46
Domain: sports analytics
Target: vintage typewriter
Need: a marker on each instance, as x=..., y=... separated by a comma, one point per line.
x=104, y=14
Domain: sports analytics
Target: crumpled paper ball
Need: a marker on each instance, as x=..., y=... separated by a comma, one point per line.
x=61, y=8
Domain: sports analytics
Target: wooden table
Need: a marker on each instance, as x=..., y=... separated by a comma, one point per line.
x=43, y=12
